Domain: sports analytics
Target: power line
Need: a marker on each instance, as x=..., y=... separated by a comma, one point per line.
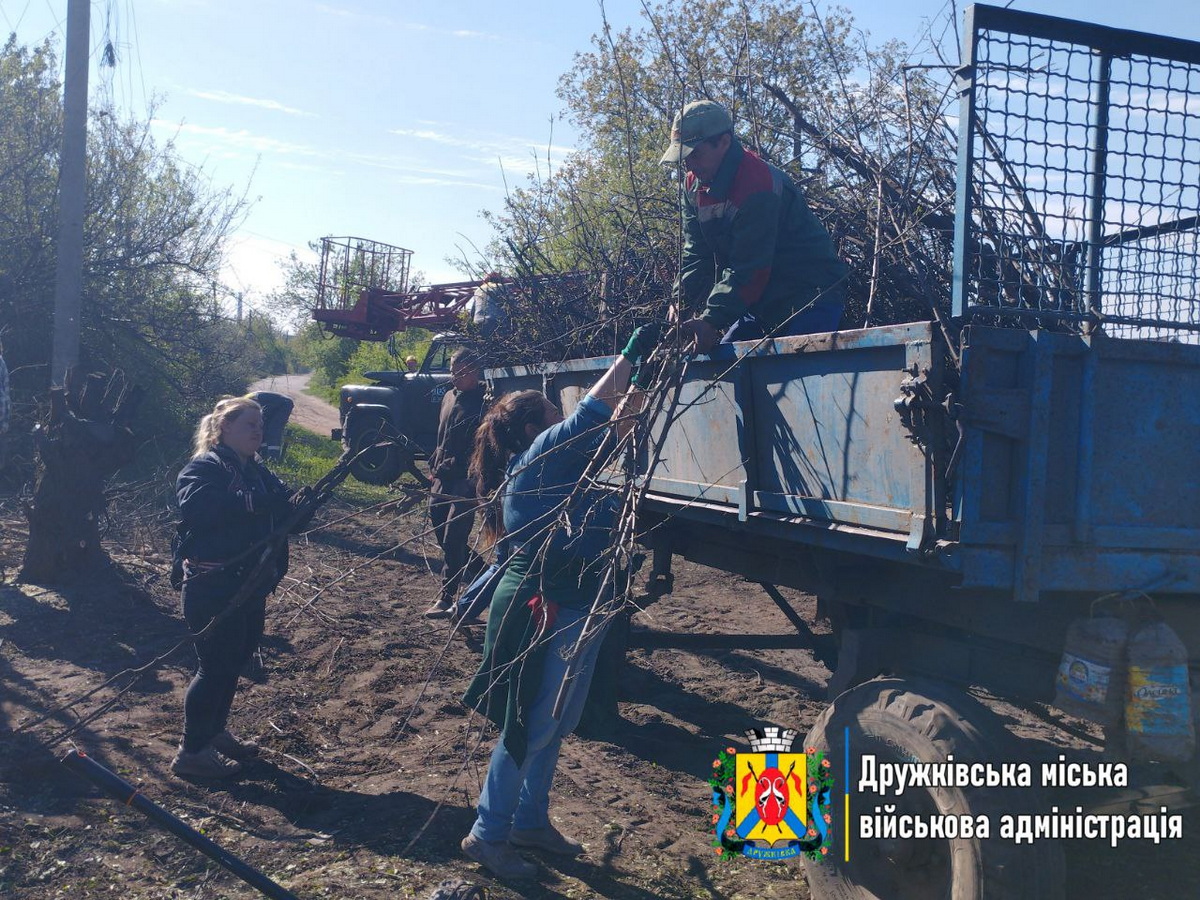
x=58, y=22
x=19, y=18
x=137, y=52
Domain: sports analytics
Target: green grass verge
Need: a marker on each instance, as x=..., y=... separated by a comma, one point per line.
x=330, y=393
x=308, y=457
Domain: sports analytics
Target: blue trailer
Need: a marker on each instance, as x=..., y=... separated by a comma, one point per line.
x=956, y=491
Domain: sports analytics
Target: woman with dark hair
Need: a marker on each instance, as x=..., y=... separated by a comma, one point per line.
x=530, y=462
x=230, y=504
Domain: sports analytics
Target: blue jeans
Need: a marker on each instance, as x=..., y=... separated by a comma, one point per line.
x=517, y=798
x=478, y=595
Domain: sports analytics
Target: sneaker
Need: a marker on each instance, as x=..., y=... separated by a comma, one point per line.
x=206, y=763
x=549, y=839
x=227, y=745
x=439, y=610
x=498, y=857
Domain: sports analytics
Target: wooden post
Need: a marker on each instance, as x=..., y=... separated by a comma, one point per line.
x=72, y=192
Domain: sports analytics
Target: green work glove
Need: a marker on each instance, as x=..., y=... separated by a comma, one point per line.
x=642, y=342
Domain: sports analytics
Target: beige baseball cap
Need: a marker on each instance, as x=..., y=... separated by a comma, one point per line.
x=697, y=121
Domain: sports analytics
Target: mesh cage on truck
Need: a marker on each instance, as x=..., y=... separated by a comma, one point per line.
x=1078, y=203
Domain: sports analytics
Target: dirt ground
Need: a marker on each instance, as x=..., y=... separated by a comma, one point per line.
x=309, y=412
x=372, y=765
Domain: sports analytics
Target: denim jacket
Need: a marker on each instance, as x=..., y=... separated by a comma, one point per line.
x=544, y=483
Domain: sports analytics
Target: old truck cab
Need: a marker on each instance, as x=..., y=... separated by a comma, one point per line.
x=392, y=422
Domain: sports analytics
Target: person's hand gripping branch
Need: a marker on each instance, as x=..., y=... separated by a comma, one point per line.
x=638, y=350
x=701, y=336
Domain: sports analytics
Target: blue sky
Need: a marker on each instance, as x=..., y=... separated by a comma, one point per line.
x=396, y=121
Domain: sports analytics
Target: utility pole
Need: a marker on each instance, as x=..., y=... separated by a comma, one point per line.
x=72, y=192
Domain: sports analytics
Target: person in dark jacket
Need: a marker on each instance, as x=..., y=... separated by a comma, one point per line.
x=277, y=409
x=756, y=262
x=451, y=496
x=230, y=504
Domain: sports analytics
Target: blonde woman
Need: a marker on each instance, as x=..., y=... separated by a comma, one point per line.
x=229, y=503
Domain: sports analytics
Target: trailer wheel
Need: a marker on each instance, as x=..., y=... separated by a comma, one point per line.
x=905, y=720
x=378, y=465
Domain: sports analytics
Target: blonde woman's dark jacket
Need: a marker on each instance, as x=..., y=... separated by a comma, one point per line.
x=228, y=509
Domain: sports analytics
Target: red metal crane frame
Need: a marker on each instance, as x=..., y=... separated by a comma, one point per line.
x=378, y=314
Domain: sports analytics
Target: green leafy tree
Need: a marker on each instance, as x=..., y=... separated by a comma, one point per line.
x=292, y=304
x=864, y=136
x=327, y=357
x=30, y=136
x=154, y=233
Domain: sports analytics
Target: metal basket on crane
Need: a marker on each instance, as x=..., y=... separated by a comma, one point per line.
x=363, y=292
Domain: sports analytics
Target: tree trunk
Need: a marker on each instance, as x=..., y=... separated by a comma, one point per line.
x=85, y=440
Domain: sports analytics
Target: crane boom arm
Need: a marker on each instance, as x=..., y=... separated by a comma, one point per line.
x=378, y=314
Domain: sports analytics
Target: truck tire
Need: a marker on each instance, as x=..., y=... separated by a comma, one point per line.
x=377, y=465
x=900, y=720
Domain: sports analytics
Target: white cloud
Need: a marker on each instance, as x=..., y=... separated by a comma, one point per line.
x=399, y=164
x=460, y=33
x=526, y=163
x=425, y=134
x=425, y=180
x=512, y=152
x=226, y=97
x=225, y=143
x=225, y=139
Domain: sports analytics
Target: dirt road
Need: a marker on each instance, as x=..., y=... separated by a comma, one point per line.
x=311, y=412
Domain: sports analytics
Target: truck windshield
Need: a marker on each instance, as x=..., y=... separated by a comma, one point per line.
x=438, y=359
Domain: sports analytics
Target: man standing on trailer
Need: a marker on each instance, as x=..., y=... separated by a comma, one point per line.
x=488, y=308
x=451, y=496
x=756, y=261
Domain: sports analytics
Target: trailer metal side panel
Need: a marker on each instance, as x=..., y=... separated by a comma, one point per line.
x=806, y=426
x=796, y=429
x=1079, y=468
x=1080, y=463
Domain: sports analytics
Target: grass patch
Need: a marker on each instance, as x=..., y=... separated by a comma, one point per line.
x=369, y=356
x=308, y=457
x=323, y=390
